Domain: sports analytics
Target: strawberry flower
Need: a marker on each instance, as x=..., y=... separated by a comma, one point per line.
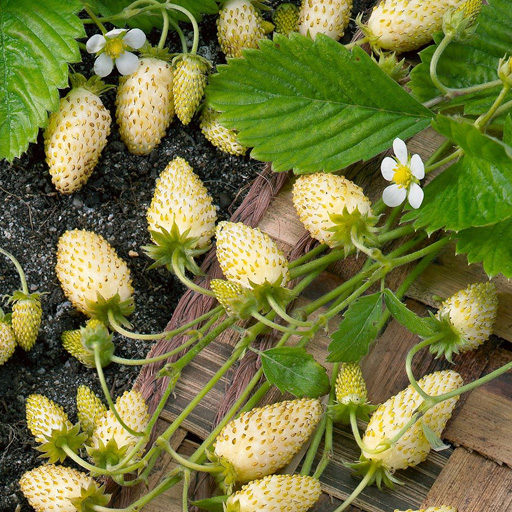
x=405, y=172
x=112, y=48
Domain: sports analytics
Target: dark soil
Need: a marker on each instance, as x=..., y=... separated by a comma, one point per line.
x=113, y=203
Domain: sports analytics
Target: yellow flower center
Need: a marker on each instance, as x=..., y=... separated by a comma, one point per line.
x=403, y=176
x=114, y=48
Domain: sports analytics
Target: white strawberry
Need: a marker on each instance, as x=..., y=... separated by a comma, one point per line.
x=405, y=25
x=249, y=257
x=221, y=137
x=89, y=408
x=276, y=493
x=328, y=17
x=93, y=277
x=265, y=439
x=7, y=338
x=239, y=26
x=62, y=489
x=43, y=416
x=76, y=134
x=286, y=18
x=145, y=105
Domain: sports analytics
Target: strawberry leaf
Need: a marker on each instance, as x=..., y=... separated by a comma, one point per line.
x=490, y=245
x=292, y=369
x=313, y=105
x=357, y=330
x=469, y=62
x=153, y=19
x=423, y=327
x=475, y=191
x=37, y=40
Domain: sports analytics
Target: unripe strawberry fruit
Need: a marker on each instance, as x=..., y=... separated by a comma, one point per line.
x=218, y=135
x=145, y=105
x=286, y=18
x=330, y=206
x=133, y=411
x=72, y=342
x=26, y=318
x=472, y=313
x=265, y=439
x=43, y=416
x=350, y=384
x=181, y=198
x=276, y=493
x=248, y=256
x=75, y=137
x=405, y=25
x=413, y=447
x=328, y=17
x=62, y=489
x=188, y=85
x=89, y=407
x=88, y=266
x=7, y=338
x=443, y=508
x=239, y=26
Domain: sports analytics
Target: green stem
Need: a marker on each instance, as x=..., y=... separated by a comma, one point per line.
x=444, y=161
x=280, y=310
x=83, y=463
x=314, y=447
x=329, y=427
x=163, y=443
x=389, y=235
x=215, y=314
x=485, y=118
x=319, y=249
x=408, y=362
x=19, y=268
x=165, y=29
x=184, y=492
x=185, y=280
x=272, y=325
x=95, y=19
x=435, y=247
x=502, y=109
x=195, y=42
x=128, y=334
x=435, y=61
x=359, y=489
x=359, y=42
x=184, y=47
x=322, y=262
x=104, y=387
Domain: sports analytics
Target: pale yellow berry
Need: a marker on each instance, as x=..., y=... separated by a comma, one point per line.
x=90, y=408
x=43, y=416
x=350, y=384
x=328, y=17
x=218, y=135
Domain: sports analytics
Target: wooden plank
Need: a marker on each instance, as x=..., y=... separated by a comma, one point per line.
x=337, y=480
x=472, y=484
x=483, y=423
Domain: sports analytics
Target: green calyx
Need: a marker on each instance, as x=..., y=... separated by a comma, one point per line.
x=53, y=450
x=18, y=296
x=155, y=53
x=460, y=24
x=394, y=68
x=107, y=455
x=169, y=242
x=227, y=478
x=353, y=230
x=94, y=84
x=94, y=338
x=236, y=300
x=101, y=308
x=5, y=318
x=451, y=341
x=91, y=497
x=341, y=412
x=201, y=62
x=262, y=292
x=381, y=475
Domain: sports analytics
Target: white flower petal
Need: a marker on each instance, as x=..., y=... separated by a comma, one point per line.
x=387, y=168
x=135, y=38
x=115, y=33
x=103, y=65
x=127, y=63
x=95, y=43
x=415, y=195
x=394, y=195
x=417, y=167
x=400, y=150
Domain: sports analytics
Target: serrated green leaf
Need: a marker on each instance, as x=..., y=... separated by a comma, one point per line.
x=490, y=245
x=313, y=105
x=357, y=330
x=470, y=62
x=153, y=19
x=215, y=504
x=475, y=191
x=37, y=41
x=423, y=327
x=292, y=369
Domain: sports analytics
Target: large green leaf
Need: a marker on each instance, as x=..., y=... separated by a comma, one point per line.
x=490, y=245
x=37, y=40
x=153, y=19
x=470, y=62
x=357, y=330
x=476, y=190
x=313, y=106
